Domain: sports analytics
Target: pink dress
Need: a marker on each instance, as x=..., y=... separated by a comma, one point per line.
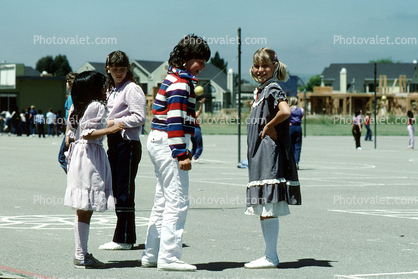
x=89, y=178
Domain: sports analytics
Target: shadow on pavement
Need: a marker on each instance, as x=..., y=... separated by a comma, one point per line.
x=219, y=266
x=305, y=263
x=123, y=264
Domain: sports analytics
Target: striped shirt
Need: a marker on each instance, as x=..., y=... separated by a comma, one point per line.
x=174, y=109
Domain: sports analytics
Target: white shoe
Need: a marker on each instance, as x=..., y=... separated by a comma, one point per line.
x=195, y=161
x=115, y=246
x=263, y=262
x=146, y=263
x=358, y=148
x=176, y=266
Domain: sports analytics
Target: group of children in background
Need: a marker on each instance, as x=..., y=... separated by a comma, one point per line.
x=116, y=109
x=356, y=128
x=31, y=122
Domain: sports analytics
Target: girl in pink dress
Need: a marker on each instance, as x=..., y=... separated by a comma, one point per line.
x=89, y=180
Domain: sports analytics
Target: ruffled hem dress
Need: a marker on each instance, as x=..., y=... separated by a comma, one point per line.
x=89, y=178
x=273, y=178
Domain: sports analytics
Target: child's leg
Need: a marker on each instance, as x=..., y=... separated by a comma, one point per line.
x=152, y=240
x=124, y=160
x=81, y=233
x=175, y=212
x=174, y=184
x=270, y=228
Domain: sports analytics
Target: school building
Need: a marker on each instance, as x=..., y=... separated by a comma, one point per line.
x=22, y=87
x=347, y=87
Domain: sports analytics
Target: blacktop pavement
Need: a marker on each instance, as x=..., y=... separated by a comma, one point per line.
x=358, y=217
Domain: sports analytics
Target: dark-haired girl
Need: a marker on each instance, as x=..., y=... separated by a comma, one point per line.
x=89, y=177
x=127, y=104
x=171, y=128
x=410, y=128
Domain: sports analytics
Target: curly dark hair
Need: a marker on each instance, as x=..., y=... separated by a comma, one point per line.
x=88, y=86
x=191, y=46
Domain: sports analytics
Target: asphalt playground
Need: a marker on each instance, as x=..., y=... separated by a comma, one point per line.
x=358, y=218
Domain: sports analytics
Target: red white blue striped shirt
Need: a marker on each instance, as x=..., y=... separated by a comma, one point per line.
x=174, y=109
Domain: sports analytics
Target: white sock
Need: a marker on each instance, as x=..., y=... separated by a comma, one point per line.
x=270, y=228
x=81, y=234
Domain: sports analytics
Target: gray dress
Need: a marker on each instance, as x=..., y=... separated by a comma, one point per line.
x=273, y=179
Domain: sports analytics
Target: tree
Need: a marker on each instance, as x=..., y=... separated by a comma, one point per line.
x=218, y=62
x=57, y=66
x=45, y=64
x=62, y=65
x=313, y=81
x=384, y=60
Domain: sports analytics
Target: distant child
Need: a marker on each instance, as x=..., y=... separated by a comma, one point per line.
x=32, y=124
x=89, y=180
x=171, y=128
x=367, y=124
x=356, y=128
x=50, y=121
x=197, y=141
x=411, y=129
x=295, y=130
x=40, y=121
x=127, y=104
x=273, y=178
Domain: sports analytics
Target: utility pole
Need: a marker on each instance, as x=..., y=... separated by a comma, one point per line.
x=239, y=95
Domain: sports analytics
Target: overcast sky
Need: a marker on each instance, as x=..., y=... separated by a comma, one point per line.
x=307, y=35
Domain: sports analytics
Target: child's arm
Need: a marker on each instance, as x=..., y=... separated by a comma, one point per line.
x=200, y=108
x=67, y=138
x=282, y=115
x=116, y=127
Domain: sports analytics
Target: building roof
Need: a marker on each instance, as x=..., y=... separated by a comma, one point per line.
x=99, y=67
x=211, y=72
x=149, y=66
x=365, y=71
x=31, y=72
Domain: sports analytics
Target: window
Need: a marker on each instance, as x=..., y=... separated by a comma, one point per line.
x=8, y=102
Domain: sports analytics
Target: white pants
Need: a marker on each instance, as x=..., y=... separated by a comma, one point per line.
x=163, y=243
x=410, y=129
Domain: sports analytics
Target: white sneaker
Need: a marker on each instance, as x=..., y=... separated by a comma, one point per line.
x=176, y=266
x=115, y=246
x=195, y=161
x=146, y=263
x=263, y=262
x=358, y=148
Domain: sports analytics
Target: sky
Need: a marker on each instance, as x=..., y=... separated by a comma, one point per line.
x=306, y=35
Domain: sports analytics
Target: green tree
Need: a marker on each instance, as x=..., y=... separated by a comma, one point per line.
x=57, y=66
x=384, y=60
x=218, y=62
x=62, y=66
x=313, y=81
x=45, y=64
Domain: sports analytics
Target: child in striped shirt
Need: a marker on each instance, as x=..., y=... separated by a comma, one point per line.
x=171, y=128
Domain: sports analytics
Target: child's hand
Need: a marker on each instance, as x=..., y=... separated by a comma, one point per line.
x=68, y=140
x=271, y=132
x=185, y=164
x=118, y=126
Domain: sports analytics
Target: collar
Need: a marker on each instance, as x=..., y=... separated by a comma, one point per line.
x=181, y=73
x=122, y=84
x=267, y=83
